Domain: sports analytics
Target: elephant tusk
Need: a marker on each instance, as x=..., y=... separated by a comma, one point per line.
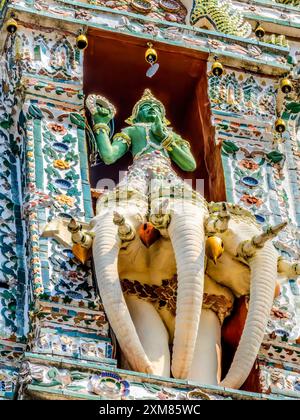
x=106, y=248
x=126, y=231
x=161, y=217
x=219, y=223
x=247, y=249
x=263, y=269
x=80, y=237
x=287, y=268
x=187, y=236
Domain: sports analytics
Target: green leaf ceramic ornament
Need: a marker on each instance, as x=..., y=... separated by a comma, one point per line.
x=35, y=112
x=229, y=147
x=275, y=156
x=293, y=107
x=78, y=120
x=6, y=124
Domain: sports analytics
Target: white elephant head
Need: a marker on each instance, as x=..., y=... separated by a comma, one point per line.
x=117, y=246
x=248, y=266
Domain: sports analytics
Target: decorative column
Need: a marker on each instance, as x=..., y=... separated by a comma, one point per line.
x=13, y=269
x=64, y=314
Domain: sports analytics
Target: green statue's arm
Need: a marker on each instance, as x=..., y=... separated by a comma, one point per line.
x=180, y=152
x=111, y=152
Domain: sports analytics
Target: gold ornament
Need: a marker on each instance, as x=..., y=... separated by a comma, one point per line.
x=101, y=126
x=151, y=55
x=280, y=125
x=286, y=85
x=82, y=42
x=12, y=26
x=214, y=248
x=167, y=143
x=82, y=254
x=217, y=69
x=259, y=32
x=123, y=137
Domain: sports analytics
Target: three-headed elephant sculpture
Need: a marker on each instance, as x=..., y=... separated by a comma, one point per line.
x=166, y=300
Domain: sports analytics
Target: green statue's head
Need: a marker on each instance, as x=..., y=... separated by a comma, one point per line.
x=147, y=109
x=148, y=112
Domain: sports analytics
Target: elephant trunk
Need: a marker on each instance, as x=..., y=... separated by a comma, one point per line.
x=106, y=249
x=187, y=236
x=263, y=267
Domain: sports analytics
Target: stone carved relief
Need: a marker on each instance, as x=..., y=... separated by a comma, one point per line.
x=243, y=95
x=279, y=381
x=49, y=55
x=107, y=385
x=170, y=10
x=139, y=26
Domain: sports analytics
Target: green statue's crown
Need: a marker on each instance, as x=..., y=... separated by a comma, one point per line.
x=146, y=98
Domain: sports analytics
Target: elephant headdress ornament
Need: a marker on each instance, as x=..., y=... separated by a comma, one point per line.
x=168, y=264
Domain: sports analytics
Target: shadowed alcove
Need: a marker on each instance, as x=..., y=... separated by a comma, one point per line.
x=115, y=68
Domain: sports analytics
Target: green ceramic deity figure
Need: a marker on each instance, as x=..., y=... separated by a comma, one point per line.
x=147, y=133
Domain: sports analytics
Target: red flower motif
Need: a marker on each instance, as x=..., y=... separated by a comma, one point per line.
x=277, y=313
x=248, y=164
x=72, y=275
x=59, y=129
x=251, y=200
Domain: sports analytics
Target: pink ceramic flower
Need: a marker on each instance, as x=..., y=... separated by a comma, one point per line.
x=251, y=200
x=248, y=164
x=57, y=128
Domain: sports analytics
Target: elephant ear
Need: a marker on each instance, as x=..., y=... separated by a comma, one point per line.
x=233, y=327
x=230, y=273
